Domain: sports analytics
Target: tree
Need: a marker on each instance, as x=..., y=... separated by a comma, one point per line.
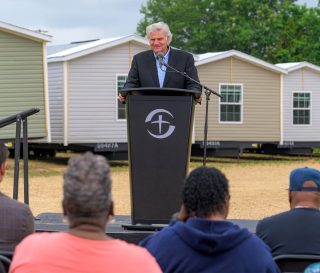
x=299, y=39
x=273, y=30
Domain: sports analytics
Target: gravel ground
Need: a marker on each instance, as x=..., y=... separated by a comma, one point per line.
x=257, y=190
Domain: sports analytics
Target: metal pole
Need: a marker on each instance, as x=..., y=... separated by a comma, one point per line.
x=25, y=161
x=206, y=129
x=17, y=158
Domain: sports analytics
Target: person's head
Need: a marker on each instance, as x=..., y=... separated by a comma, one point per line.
x=206, y=193
x=304, y=189
x=4, y=153
x=159, y=37
x=87, y=195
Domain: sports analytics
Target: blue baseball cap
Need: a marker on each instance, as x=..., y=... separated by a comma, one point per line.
x=301, y=175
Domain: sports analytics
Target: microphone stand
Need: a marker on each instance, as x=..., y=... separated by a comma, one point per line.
x=207, y=92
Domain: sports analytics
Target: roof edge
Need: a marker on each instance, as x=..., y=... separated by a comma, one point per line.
x=243, y=56
x=80, y=53
x=25, y=32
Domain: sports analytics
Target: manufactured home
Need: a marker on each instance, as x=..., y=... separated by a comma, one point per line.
x=248, y=113
x=23, y=78
x=300, y=112
x=84, y=81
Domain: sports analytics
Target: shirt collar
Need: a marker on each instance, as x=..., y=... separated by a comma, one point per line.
x=165, y=56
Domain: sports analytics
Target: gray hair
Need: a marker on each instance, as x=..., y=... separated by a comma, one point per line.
x=158, y=27
x=4, y=153
x=87, y=187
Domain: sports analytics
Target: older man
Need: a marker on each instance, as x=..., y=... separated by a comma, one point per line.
x=16, y=219
x=296, y=231
x=147, y=69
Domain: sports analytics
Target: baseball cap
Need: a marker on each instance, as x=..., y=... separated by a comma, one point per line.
x=301, y=175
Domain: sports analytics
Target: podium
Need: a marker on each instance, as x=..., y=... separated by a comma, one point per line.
x=159, y=124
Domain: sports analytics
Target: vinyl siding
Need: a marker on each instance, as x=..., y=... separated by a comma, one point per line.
x=56, y=100
x=261, y=102
x=21, y=83
x=93, y=96
x=301, y=80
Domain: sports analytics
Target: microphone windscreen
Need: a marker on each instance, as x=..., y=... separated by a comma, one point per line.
x=160, y=55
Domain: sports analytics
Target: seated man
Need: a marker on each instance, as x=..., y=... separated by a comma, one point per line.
x=202, y=240
x=296, y=231
x=87, y=207
x=16, y=219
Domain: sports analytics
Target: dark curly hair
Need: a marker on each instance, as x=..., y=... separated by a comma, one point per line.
x=205, y=192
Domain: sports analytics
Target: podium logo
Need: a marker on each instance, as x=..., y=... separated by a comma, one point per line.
x=157, y=116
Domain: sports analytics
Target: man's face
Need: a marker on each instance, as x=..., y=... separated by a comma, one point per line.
x=158, y=41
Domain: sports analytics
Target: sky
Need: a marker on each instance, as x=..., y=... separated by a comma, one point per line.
x=78, y=20
x=74, y=20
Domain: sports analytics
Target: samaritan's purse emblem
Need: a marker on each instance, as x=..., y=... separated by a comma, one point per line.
x=160, y=117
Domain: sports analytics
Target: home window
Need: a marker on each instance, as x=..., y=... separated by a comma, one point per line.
x=230, y=103
x=121, y=79
x=301, y=108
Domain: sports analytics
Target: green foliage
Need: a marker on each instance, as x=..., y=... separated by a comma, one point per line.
x=273, y=30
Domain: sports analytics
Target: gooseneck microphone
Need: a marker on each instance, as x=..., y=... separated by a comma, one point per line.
x=160, y=58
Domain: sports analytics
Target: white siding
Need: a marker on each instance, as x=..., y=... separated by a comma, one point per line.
x=301, y=80
x=93, y=96
x=56, y=101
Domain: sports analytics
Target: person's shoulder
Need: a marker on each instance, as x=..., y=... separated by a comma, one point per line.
x=257, y=246
x=274, y=218
x=143, y=54
x=35, y=240
x=130, y=249
x=180, y=52
x=161, y=238
x=14, y=204
x=136, y=256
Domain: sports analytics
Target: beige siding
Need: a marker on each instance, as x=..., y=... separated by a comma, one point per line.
x=21, y=82
x=261, y=102
x=93, y=95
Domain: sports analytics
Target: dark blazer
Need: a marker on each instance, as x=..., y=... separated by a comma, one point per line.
x=143, y=72
x=16, y=222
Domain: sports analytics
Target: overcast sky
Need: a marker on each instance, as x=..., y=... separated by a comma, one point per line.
x=77, y=20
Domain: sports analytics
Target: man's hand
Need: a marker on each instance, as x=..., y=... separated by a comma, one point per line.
x=121, y=98
x=198, y=100
x=183, y=214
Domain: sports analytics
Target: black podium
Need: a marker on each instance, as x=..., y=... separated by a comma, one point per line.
x=159, y=136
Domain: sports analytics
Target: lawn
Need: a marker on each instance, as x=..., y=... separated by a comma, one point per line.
x=258, y=183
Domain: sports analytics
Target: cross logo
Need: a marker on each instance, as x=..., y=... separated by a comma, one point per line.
x=157, y=116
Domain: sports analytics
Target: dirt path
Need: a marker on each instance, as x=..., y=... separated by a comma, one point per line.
x=256, y=191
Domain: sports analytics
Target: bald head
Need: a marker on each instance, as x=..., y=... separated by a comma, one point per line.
x=310, y=198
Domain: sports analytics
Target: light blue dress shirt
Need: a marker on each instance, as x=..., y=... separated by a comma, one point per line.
x=163, y=69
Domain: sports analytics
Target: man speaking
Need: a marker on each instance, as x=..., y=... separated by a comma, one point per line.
x=149, y=68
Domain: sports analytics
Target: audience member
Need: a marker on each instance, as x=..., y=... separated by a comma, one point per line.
x=202, y=240
x=87, y=205
x=296, y=231
x=16, y=219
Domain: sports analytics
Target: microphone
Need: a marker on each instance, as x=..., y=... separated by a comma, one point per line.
x=160, y=58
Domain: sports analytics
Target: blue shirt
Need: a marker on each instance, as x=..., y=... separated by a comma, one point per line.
x=163, y=69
